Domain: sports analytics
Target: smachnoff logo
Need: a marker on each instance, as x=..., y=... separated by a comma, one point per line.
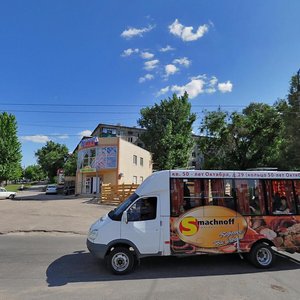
x=190, y=225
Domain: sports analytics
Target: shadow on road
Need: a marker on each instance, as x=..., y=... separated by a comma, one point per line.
x=82, y=267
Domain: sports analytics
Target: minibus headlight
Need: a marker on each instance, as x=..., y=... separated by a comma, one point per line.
x=93, y=234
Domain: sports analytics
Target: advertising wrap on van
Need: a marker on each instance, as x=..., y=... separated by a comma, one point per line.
x=210, y=226
x=217, y=229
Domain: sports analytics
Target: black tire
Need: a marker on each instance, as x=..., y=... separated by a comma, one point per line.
x=11, y=196
x=262, y=256
x=120, y=261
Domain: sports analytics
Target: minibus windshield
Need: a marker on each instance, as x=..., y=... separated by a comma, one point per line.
x=116, y=214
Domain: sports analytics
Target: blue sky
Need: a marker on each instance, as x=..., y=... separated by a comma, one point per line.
x=66, y=66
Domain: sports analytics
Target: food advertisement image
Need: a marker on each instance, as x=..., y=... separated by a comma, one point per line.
x=227, y=215
x=216, y=229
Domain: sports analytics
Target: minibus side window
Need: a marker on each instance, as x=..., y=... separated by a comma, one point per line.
x=143, y=209
x=297, y=194
x=250, y=197
x=281, y=199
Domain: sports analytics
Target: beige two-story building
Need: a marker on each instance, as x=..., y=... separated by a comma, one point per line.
x=110, y=160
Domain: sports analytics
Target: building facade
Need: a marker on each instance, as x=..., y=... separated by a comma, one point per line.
x=133, y=134
x=110, y=160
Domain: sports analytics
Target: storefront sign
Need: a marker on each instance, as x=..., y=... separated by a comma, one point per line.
x=87, y=170
x=90, y=142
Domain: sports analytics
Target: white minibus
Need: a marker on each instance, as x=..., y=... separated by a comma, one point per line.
x=192, y=212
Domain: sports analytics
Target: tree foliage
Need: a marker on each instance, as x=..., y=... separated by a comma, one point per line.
x=10, y=148
x=290, y=110
x=169, y=132
x=242, y=140
x=34, y=173
x=52, y=157
x=70, y=166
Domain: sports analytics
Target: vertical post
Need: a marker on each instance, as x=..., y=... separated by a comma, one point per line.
x=298, y=86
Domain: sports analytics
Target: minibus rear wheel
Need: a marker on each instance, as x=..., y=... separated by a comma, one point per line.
x=120, y=260
x=262, y=256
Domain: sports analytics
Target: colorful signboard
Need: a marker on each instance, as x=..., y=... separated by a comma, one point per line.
x=90, y=142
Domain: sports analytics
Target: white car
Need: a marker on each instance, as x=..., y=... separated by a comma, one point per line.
x=4, y=194
x=51, y=189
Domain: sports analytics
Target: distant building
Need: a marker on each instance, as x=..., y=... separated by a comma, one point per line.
x=115, y=154
x=133, y=134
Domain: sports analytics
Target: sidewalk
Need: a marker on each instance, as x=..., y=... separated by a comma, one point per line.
x=55, y=216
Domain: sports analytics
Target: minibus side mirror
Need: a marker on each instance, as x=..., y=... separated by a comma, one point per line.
x=125, y=217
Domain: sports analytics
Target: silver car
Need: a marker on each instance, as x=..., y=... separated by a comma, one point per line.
x=51, y=189
x=4, y=194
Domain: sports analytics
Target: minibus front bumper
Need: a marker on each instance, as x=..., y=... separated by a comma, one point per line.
x=98, y=250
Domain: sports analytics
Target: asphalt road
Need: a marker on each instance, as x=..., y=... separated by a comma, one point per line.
x=57, y=266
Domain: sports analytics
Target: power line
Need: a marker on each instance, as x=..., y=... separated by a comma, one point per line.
x=109, y=105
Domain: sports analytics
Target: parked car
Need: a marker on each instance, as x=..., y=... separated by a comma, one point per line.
x=69, y=190
x=4, y=194
x=51, y=189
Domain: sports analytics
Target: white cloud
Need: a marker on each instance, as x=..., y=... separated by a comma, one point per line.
x=151, y=64
x=129, y=52
x=170, y=70
x=225, y=87
x=212, y=85
x=166, y=49
x=85, y=133
x=163, y=91
x=186, y=32
x=198, y=85
x=145, y=78
x=193, y=88
x=182, y=61
x=147, y=55
x=41, y=139
x=63, y=137
x=132, y=32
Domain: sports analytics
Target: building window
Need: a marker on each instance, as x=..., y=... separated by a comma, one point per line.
x=141, y=179
x=135, y=159
x=141, y=161
x=130, y=139
x=134, y=179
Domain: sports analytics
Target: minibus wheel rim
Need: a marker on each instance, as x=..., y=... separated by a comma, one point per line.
x=264, y=256
x=120, y=261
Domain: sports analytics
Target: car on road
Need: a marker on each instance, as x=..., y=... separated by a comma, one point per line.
x=51, y=189
x=4, y=194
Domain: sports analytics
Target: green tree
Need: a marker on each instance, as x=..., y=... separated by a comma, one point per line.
x=169, y=132
x=10, y=148
x=34, y=173
x=290, y=109
x=70, y=166
x=52, y=157
x=242, y=140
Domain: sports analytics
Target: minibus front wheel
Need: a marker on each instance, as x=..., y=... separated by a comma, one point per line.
x=120, y=260
x=262, y=255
